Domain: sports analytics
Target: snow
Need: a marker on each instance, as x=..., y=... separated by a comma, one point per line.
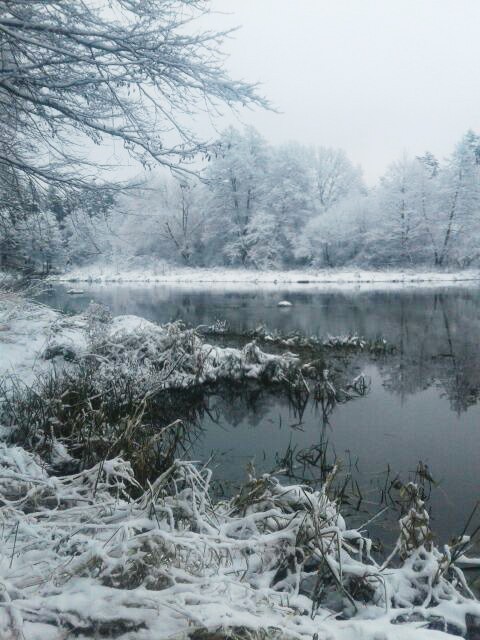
x=24, y=335
x=234, y=277
x=172, y=561
x=463, y=561
x=130, y=324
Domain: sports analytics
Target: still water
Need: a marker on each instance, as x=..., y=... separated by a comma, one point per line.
x=423, y=402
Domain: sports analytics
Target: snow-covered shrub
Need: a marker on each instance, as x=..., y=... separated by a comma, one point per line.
x=98, y=318
x=81, y=556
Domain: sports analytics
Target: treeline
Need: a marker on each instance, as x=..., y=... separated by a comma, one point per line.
x=260, y=206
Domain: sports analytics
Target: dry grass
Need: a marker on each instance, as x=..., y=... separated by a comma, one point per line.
x=81, y=555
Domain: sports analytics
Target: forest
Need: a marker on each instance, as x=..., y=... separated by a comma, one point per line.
x=252, y=204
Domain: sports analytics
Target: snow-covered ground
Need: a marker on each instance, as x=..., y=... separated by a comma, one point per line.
x=25, y=330
x=163, y=274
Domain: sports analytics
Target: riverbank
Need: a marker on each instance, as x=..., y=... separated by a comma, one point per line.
x=35, y=340
x=164, y=274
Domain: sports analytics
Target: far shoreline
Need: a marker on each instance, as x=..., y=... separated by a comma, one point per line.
x=163, y=275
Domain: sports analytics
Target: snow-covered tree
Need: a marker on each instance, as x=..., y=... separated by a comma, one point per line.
x=30, y=238
x=263, y=241
x=236, y=187
x=78, y=74
x=398, y=234
x=259, y=206
x=336, y=237
x=75, y=73
x=290, y=194
x=337, y=193
x=336, y=177
x=84, y=219
x=458, y=219
x=182, y=224
x=426, y=190
x=160, y=219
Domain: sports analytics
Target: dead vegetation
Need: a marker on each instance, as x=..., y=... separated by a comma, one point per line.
x=138, y=390
x=173, y=561
x=349, y=343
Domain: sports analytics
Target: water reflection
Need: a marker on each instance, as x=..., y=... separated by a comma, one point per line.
x=439, y=346
x=423, y=403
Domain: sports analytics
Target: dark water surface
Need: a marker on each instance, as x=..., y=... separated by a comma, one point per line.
x=423, y=403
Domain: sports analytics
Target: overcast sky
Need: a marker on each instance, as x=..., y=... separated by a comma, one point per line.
x=375, y=77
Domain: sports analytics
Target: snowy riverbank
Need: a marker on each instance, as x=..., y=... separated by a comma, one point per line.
x=35, y=340
x=274, y=562
x=163, y=274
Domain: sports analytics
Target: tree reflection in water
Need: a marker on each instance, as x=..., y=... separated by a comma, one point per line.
x=424, y=399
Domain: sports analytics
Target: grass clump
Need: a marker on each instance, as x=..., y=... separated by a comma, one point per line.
x=126, y=387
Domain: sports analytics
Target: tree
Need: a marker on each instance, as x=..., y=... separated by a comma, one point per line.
x=291, y=194
x=160, y=219
x=401, y=224
x=459, y=210
x=336, y=177
x=132, y=71
x=30, y=237
x=336, y=237
x=265, y=250
x=427, y=178
x=333, y=221
x=85, y=221
x=182, y=225
x=236, y=180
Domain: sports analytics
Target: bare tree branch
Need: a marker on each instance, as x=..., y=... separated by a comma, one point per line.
x=73, y=73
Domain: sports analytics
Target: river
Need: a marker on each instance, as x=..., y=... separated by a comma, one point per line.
x=423, y=403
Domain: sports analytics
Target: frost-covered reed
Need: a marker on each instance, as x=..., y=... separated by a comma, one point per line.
x=82, y=558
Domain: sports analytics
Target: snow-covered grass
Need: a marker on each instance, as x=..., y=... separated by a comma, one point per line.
x=166, y=274
x=34, y=339
x=298, y=341
x=109, y=385
x=82, y=558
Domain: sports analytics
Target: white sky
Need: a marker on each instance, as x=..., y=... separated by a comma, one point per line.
x=375, y=77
